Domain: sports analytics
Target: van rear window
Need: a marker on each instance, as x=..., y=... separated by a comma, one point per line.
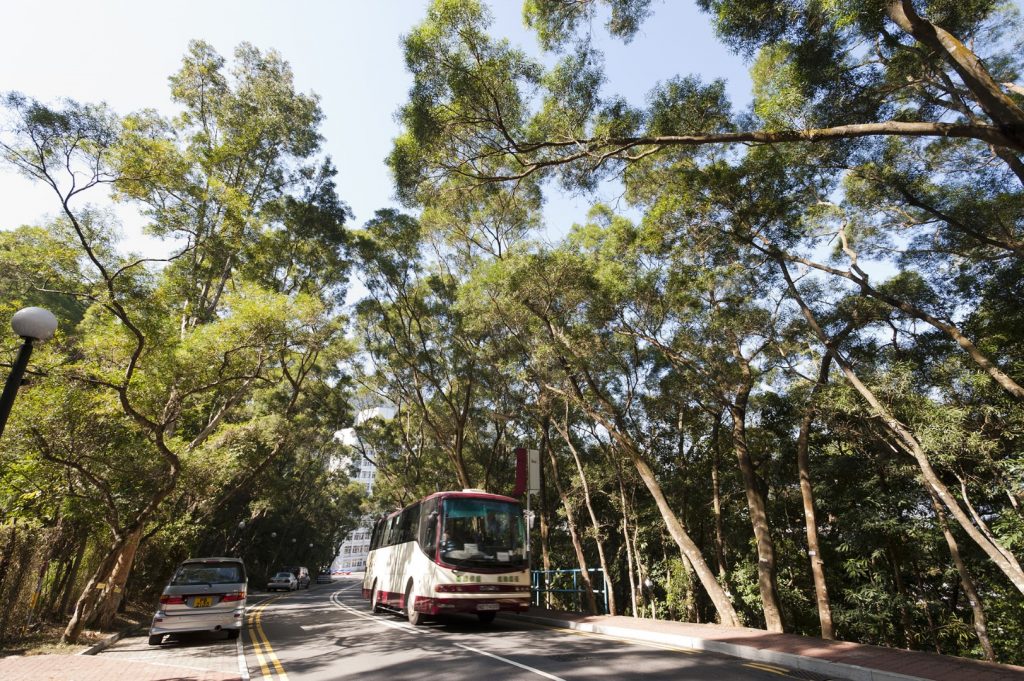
x=208, y=573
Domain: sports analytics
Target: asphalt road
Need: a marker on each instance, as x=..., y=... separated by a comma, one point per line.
x=328, y=632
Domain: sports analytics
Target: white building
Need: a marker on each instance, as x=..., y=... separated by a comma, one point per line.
x=352, y=554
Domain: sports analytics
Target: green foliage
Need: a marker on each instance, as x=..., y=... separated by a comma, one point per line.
x=181, y=400
x=554, y=20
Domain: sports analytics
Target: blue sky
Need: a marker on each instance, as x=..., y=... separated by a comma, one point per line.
x=347, y=51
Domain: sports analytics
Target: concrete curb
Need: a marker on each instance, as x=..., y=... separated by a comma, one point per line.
x=108, y=641
x=801, y=662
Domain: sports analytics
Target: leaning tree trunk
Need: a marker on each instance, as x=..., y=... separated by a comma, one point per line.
x=609, y=593
x=612, y=421
x=998, y=553
x=716, y=504
x=626, y=540
x=110, y=601
x=726, y=613
x=23, y=557
x=8, y=554
x=577, y=545
x=766, y=580
x=980, y=621
x=676, y=528
x=807, y=495
x=85, y=608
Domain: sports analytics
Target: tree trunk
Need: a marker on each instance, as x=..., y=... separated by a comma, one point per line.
x=627, y=542
x=933, y=629
x=570, y=520
x=1000, y=107
x=726, y=613
x=85, y=608
x=766, y=580
x=716, y=504
x=807, y=495
x=612, y=423
x=110, y=601
x=545, y=510
x=980, y=621
x=609, y=593
x=1003, y=559
x=689, y=550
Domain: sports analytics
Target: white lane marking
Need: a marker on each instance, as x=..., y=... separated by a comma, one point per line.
x=243, y=668
x=409, y=629
x=350, y=586
x=511, y=662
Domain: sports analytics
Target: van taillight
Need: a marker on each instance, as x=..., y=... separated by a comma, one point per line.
x=235, y=596
x=172, y=600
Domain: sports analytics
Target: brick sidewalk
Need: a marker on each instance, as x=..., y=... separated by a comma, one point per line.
x=841, y=658
x=99, y=668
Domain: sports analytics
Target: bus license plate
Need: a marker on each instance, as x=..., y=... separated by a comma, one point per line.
x=202, y=601
x=487, y=606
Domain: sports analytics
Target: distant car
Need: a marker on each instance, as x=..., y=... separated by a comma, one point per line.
x=283, y=581
x=323, y=578
x=301, y=575
x=204, y=594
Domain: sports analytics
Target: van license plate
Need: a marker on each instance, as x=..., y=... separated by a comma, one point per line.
x=487, y=606
x=202, y=601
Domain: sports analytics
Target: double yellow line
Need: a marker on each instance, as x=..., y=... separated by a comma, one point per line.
x=265, y=655
x=781, y=671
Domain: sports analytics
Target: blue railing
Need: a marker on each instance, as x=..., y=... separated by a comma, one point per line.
x=547, y=583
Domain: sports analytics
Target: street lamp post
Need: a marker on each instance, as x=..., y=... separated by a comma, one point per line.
x=32, y=324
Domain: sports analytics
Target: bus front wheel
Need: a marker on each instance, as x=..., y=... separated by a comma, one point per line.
x=415, y=618
x=486, y=617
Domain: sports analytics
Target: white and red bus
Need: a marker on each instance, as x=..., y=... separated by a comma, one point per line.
x=451, y=552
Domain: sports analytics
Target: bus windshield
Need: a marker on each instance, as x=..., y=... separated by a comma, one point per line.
x=483, y=533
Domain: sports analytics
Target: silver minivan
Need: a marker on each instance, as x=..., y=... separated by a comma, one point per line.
x=204, y=594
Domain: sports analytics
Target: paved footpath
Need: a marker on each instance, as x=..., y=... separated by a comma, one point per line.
x=99, y=668
x=207, y=656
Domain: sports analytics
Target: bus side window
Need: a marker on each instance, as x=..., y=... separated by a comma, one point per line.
x=375, y=536
x=391, y=533
x=428, y=527
x=409, y=522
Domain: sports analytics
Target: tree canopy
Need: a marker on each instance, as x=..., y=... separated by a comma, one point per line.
x=778, y=384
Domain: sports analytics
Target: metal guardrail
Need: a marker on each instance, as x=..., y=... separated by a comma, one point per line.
x=544, y=583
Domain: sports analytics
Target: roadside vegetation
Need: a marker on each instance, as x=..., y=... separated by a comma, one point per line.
x=189, y=403
x=777, y=384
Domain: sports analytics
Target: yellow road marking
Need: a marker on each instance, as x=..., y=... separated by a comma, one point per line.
x=261, y=643
x=257, y=649
x=266, y=639
x=767, y=668
x=257, y=643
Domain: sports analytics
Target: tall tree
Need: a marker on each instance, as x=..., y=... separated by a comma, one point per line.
x=217, y=182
